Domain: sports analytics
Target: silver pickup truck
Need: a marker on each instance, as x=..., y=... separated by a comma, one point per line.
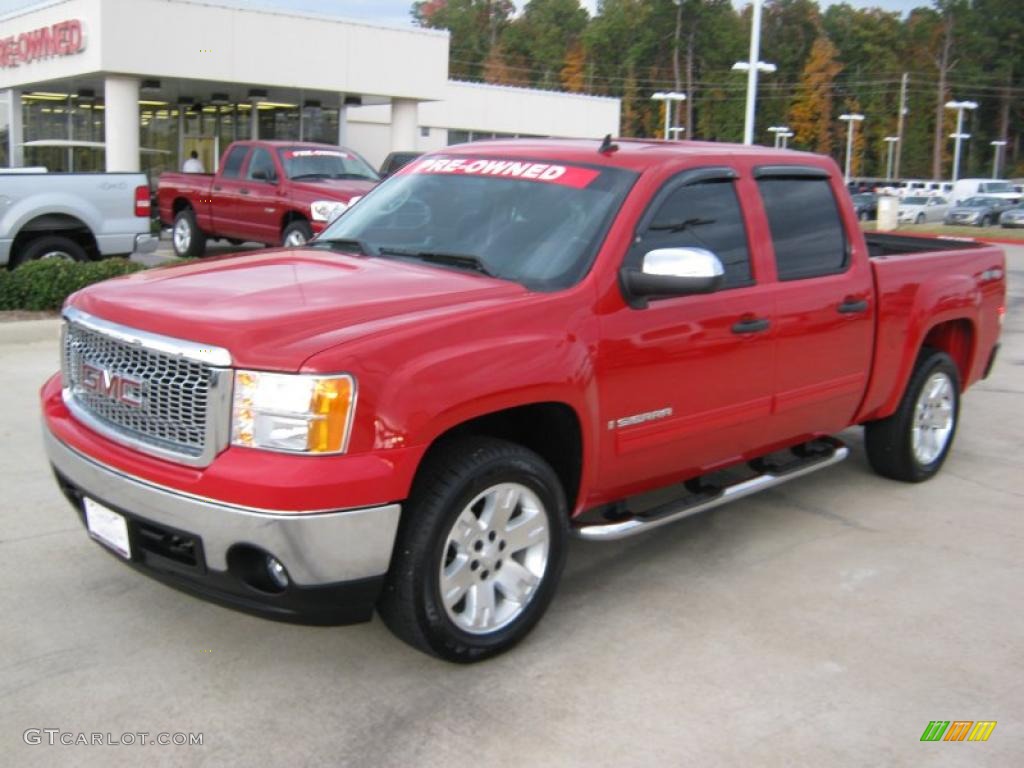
x=75, y=216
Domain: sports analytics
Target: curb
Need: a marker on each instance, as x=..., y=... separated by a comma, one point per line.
x=30, y=331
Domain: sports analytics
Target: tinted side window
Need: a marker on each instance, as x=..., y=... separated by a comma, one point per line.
x=806, y=231
x=704, y=215
x=233, y=163
x=261, y=161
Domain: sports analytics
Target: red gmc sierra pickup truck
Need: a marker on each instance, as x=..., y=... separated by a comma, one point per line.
x=503, y=345
x=273, y=192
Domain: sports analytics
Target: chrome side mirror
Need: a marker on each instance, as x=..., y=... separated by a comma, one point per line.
x=667, y=272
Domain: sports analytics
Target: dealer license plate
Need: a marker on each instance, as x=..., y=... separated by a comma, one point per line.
x=107, y=527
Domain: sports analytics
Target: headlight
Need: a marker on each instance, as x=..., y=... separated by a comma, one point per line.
x=292, y=412
x=325, y=210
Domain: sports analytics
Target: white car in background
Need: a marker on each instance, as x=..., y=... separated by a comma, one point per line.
x=921, y=209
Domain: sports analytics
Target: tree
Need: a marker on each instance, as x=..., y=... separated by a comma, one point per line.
x=810, y=116
x=542, y=36
x=574, y=70
x=496, y=69
x=474, y=25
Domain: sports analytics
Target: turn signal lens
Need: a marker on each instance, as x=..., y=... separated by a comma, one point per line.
x=332, y=406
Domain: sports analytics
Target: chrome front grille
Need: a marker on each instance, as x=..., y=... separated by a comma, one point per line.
x=159, y=395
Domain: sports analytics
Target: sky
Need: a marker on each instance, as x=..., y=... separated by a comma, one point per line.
x=397, y=11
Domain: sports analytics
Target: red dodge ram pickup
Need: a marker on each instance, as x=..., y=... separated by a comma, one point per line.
x=503, y=345
x=273, y=192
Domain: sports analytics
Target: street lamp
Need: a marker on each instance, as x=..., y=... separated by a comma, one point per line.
x=850, y=120
x=668, y=97
x=778, y=130
x=996, y=147
x=959, y=106
x=752, y=65
x=892, y=141
x=675, y=130
x=786, y=136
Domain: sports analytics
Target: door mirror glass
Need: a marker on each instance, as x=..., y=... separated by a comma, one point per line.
x=666, y=272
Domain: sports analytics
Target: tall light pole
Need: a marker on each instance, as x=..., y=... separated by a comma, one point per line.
x=669, y=97
x=752, y=66
x=744, y=66
x=997, y=147
x=959, y=106
x=778, y=130
x=892, y=141
x=850, y=120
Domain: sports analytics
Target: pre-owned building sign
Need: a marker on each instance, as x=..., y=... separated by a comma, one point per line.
x=64, y=38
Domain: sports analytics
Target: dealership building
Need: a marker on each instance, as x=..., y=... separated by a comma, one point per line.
x=127, y=85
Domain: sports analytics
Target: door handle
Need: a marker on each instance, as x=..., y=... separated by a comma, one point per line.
x=216, y=188
x=751, y=325
x=851, y=305
x=243, y=191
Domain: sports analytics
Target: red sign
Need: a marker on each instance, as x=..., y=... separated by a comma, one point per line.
x=549, y=173
x=61, y=39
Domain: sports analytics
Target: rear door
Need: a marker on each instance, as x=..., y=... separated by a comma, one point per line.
x=227, y=206
x=824, y=303
x=686, y=382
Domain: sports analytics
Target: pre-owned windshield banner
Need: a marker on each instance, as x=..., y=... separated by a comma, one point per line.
x=547, y=173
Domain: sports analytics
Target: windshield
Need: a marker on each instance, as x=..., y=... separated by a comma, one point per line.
x=326, y=163
x=537, y=223
x=995, y=186
x=915, y=201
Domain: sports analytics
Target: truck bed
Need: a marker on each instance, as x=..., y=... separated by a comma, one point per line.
x=887, y=244
x=933, y=282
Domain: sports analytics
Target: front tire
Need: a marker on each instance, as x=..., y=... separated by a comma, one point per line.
x=912, y=444
x=295, y=234
x=919, y=219
x=985, y=221
x=188, y=239
x=479, y=552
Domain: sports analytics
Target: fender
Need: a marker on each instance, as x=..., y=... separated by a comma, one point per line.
x=940, y=299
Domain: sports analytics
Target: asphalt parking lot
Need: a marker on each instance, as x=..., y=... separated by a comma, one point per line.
x=824, y=623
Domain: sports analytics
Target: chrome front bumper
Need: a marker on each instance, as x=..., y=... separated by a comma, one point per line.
x=323, y=548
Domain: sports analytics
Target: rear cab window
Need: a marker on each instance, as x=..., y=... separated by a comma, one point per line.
x=806, y=230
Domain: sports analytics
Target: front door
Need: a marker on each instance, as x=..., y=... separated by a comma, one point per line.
x=686, y=383
x=259, y=202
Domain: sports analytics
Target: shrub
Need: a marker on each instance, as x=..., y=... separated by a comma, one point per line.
x=43, y=285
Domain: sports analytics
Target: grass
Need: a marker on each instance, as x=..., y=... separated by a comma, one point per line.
x=942, y=230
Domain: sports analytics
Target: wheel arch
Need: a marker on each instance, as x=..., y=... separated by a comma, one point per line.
x=179, y=205
x=958, y=339
x=62, y=224
x=550, y=429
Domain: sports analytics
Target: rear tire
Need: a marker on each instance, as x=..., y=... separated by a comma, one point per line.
x=912, y=444
x=479, y=551
x=188, y=239
x=50, y=247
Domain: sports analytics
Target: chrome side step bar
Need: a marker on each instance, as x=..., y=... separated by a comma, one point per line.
x=671, y=512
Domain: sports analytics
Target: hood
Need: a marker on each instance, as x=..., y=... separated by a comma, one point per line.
x=333, y=189
x=274, y=309
x=961, y=209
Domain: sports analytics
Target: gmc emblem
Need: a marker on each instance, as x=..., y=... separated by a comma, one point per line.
x=120, y=387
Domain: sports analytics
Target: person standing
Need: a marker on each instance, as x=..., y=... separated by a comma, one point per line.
x=193, y=164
